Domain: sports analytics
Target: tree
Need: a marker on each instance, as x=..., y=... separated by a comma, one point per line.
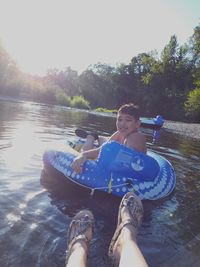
x=195, y=46
x=4, y=62
x=192, y=105
x=67, y=80
x=90, y=86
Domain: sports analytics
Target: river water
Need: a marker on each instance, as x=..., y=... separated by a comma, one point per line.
x=35, y=217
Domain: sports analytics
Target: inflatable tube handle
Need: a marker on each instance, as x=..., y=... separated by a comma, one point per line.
x=118, y=158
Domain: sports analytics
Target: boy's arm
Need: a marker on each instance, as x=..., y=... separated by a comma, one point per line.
x=138, y=142
x=78, y=162
x=92, y=153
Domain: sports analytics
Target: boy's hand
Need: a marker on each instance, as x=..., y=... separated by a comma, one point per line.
x=78, y=162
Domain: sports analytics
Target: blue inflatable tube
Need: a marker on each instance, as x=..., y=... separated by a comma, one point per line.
x=118, y=170
x=153, y=123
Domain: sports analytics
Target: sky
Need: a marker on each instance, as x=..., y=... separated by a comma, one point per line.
x=45, y=34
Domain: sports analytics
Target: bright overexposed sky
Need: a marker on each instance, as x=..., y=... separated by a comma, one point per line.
x=42, y=34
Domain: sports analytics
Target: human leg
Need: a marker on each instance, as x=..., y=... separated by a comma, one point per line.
x=123, y=248
x=89, y=137
x=102, y=140
x=78, y=238
x=89, y=143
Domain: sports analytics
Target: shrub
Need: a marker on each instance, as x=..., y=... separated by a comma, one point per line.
x=192, y=105
x=79, y=102
x=106, y=110
x=62, y=98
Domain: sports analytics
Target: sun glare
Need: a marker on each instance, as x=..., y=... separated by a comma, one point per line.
x=47, y=34
x=25, y=143
x=32, y=195
x=12, y=218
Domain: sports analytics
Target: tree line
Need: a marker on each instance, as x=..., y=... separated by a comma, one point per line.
x=168, y=84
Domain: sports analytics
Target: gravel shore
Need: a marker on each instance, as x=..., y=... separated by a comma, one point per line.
x=190, y=130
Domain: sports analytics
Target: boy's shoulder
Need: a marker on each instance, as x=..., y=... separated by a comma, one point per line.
x=133, y=138
x=137, y=141
x=136, y=135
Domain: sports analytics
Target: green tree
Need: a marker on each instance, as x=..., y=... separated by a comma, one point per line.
x=195, y=46
x=67, y=80
x=62, y=98
x=97, y=88
x=4, y=63
x=79, y=102
x=174, y=79
x=192, y=105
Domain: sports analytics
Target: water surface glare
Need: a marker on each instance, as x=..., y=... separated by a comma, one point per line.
x=35, y=217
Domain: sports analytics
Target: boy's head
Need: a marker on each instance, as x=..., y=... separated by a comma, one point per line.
x=131, y=110
x=128, y=119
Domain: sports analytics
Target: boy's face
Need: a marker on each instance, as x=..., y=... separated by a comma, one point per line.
x=126, y=123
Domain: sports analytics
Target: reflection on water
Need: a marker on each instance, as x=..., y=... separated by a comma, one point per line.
x=34, y=220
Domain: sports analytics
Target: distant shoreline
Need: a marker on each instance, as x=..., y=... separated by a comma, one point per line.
x=189, y=130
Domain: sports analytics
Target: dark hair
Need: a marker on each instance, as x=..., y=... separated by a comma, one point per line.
x=130, y=109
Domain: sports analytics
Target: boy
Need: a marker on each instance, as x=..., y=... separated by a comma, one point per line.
x=128, y=123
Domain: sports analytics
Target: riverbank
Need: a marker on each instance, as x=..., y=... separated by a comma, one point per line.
x=189, y=130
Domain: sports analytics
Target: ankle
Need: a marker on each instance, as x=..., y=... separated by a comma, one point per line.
x=127, y=236
x=128, y=233
x=80, y=245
